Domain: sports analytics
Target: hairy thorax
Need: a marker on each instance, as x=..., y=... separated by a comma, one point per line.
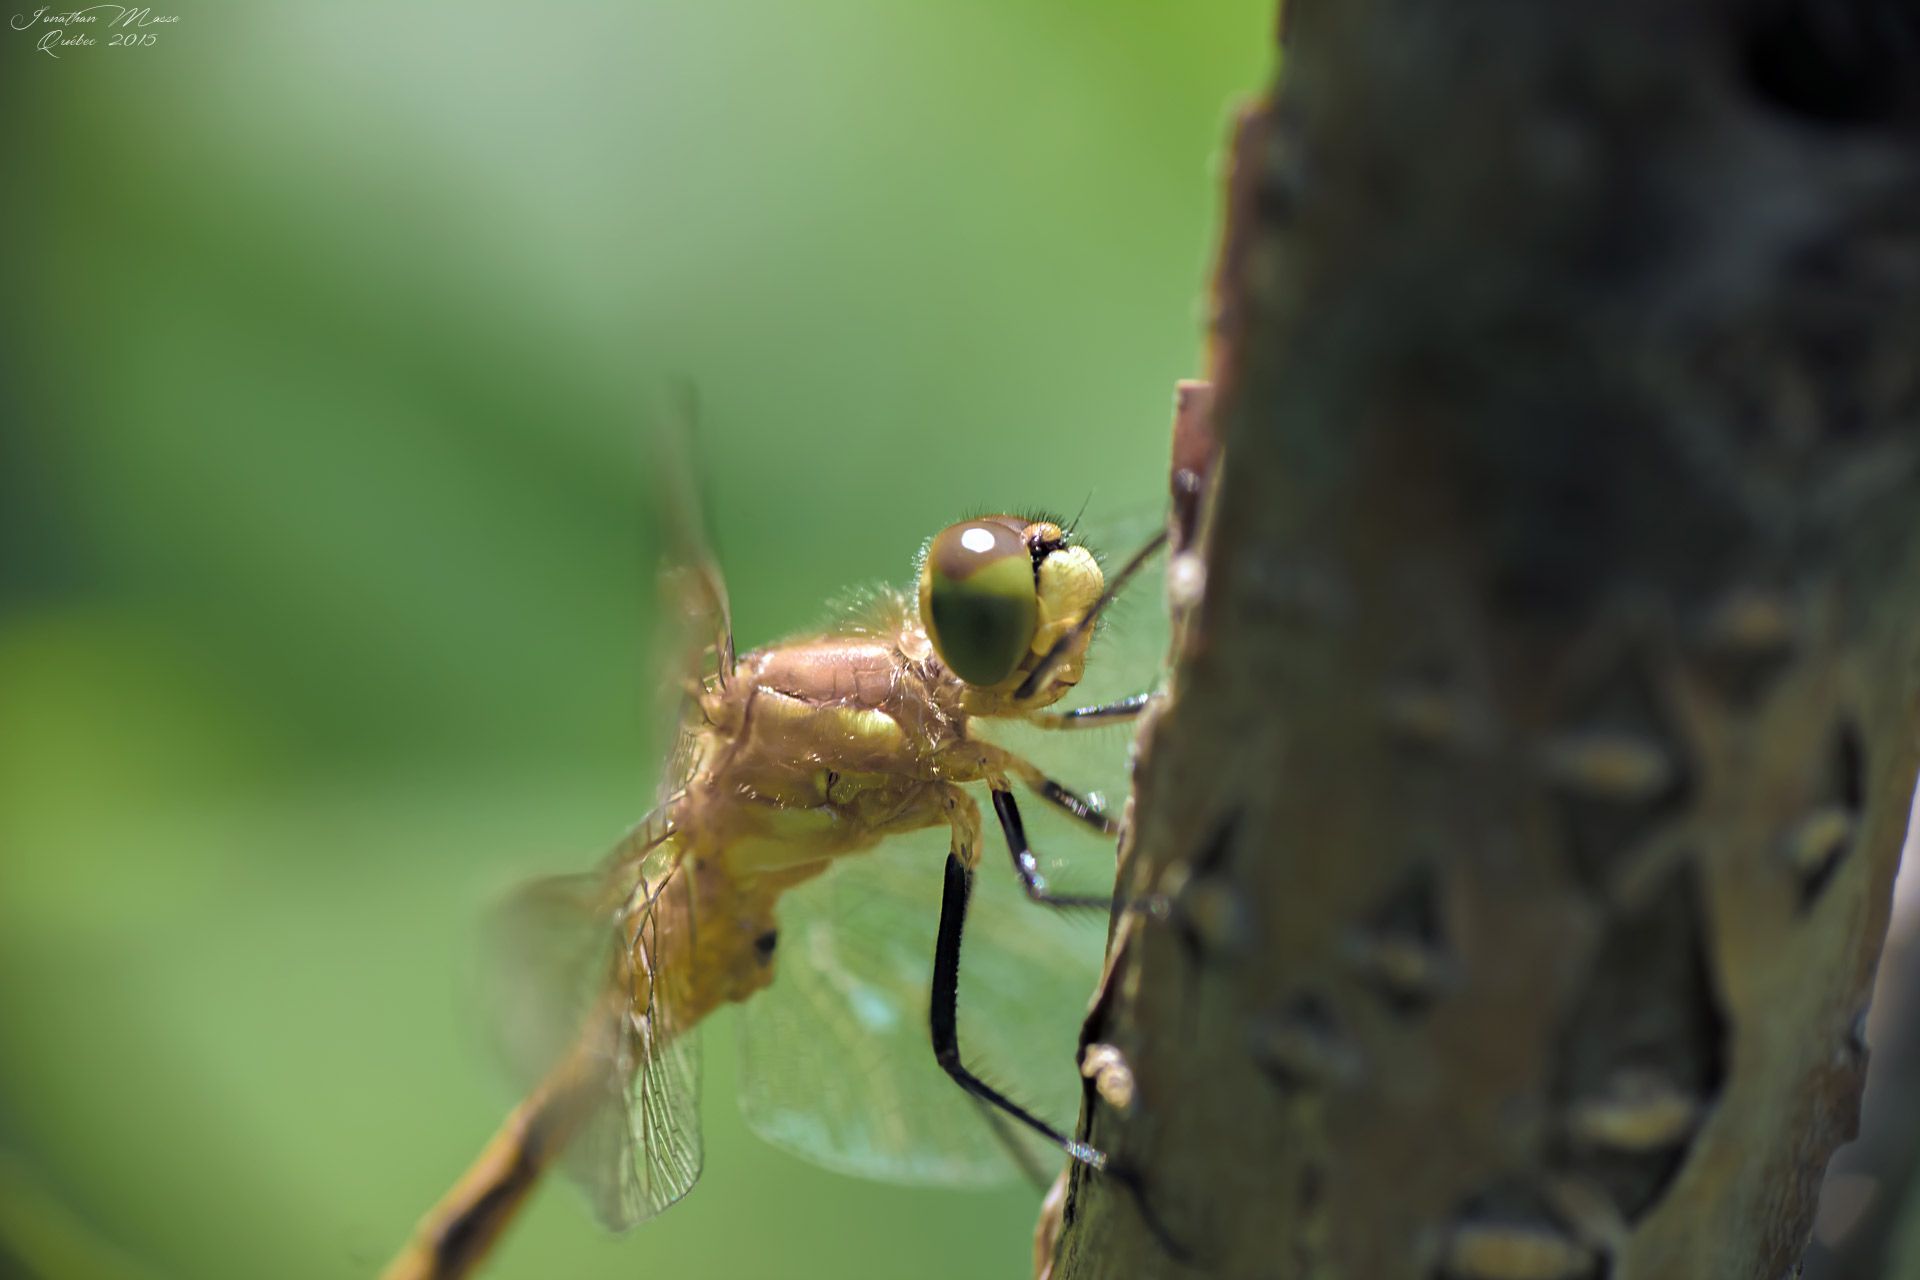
x=817, y=748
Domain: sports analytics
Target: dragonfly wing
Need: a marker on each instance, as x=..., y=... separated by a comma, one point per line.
x=548, y=946
x=637, y=1148
x=562, y=959
x=663, y=1153
x=838, y=1062
x=544, y=969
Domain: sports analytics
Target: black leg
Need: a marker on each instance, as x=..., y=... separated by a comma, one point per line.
x=944, y=1010
x=1081, y=808
x=1016, y=1149
x=1074, y=805
x=1027, y=867
x=1123, y=709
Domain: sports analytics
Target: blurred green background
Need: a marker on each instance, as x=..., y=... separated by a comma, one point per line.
x=326, y=575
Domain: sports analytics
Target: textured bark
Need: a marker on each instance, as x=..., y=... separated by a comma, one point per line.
x=1870, y=1202
x=1537, y=759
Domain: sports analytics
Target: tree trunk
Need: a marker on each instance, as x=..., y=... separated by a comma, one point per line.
x=1870, y=1202
x=1538, y=754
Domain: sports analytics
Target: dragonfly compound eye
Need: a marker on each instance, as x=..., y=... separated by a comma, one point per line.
x=979, y=599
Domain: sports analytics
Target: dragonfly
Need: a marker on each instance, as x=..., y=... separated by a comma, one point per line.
x=786, y=763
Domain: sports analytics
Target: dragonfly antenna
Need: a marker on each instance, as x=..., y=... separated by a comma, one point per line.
x=1075, y=522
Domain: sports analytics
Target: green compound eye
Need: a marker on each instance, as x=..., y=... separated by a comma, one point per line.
x=978, y=600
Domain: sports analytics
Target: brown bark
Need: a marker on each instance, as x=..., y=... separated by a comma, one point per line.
x=1538, y=757
x=1871, y=1197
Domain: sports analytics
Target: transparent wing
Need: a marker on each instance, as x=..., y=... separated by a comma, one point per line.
x=648, y=1155
x=544, y=969
x=838, y=1063
x=693, y=627
x=592, y=978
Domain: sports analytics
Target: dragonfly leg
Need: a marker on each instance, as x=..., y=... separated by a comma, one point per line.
x=963, y=816
x=1116, y=712
x=1027, y=867
x=944, y=1009
x=1087, y=809
x=1016, y=1150
x=1074, y=805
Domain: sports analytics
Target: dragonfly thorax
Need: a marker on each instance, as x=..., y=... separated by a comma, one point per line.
x=822, y=746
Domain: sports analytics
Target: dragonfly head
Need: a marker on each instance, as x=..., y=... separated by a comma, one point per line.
x=996, y=592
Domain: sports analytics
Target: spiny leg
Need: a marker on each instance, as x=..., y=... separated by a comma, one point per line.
x=943, y=1010
x=1116, y=712
x=1027, y=867
x=1016, y=1150
x=1087, y=809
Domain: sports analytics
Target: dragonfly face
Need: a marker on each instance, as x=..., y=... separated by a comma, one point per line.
x=996, y=594
x=791, y=758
